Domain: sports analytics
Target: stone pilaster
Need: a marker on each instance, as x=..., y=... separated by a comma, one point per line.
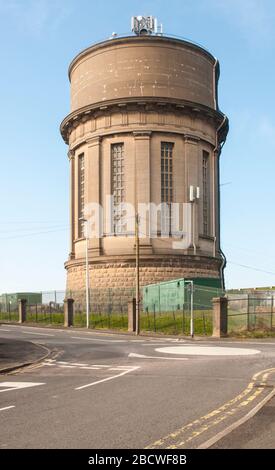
x=143, y=183
x=71, y=157
x=92, y=183
x=192, y=168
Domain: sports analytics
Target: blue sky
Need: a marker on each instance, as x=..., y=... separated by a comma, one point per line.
x=38, y=40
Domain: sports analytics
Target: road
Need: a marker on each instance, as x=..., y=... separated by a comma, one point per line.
x=98, y=390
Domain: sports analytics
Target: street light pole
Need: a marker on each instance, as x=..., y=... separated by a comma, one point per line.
x=87, y=279
x=191, y=283
x=87, y=272
x=137, y=274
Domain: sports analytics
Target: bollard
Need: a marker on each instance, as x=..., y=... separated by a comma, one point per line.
x=219, y=316
x=68, y=312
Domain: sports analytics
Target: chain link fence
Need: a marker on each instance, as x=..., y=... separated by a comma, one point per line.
x=251, y=312
x=176, y=318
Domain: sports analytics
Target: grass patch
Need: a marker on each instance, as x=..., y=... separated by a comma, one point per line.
x=176, y=323
x=9, y=316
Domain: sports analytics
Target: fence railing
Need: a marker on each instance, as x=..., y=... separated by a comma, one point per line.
x=109, y=310
x=250, y=312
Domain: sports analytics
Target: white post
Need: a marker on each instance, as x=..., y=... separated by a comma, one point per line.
x=192, y=311
x=87, y=278
x=137, y=275
x=87, y=271
x=191, y=284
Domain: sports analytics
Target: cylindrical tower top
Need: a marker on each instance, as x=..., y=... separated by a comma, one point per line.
x=144, y=66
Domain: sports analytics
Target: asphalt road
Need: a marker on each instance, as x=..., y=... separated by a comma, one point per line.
x=97, y=391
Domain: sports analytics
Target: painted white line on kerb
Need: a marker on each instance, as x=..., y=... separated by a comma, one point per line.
x=142, y=356
x=32, y=333
x=102, y=340
x=108, y=378
x=7, y=408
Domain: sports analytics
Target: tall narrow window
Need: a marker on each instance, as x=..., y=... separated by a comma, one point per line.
x=205, y=192
x=81, y=195
x=167, y=183
x=118, y=189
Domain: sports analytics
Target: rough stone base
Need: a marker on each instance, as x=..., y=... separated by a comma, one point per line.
x=116, y=280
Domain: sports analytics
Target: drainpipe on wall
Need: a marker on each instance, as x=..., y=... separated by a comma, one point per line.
x=217, y=150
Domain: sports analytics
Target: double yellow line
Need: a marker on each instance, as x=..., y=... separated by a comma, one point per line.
x=183, y=437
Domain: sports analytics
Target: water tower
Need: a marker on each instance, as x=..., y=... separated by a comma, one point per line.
x=144, y=126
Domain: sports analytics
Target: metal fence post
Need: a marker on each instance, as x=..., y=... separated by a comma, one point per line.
x=155, y=329
x=248, y=313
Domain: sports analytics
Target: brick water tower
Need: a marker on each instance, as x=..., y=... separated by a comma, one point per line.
x=144, y=127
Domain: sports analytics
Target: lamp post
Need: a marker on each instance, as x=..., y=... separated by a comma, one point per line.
x=87, y=272
x=137, y=275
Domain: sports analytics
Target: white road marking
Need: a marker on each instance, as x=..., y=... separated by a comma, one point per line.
x=244, y=342
x=102, y=340
x=90, y=368
x=207, y=351
x=142, y=356
x=108, y=378
x=152, y=344
x=7, y=408
x=66, y=367
x=2, y=329
x=18, y=385
x=80, y=366
x=77, y=364
x=99, y=365
x=32, y=333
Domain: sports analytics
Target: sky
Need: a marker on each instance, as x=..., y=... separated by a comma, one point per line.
x=38, y=40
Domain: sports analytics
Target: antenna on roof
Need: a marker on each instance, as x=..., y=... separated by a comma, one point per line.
x=144, y=25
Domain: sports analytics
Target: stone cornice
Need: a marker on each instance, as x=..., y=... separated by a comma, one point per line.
x=146, y=104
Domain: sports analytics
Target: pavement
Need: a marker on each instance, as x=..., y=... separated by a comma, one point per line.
x=257, y=433
x=112, y=391
x=15, y=354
